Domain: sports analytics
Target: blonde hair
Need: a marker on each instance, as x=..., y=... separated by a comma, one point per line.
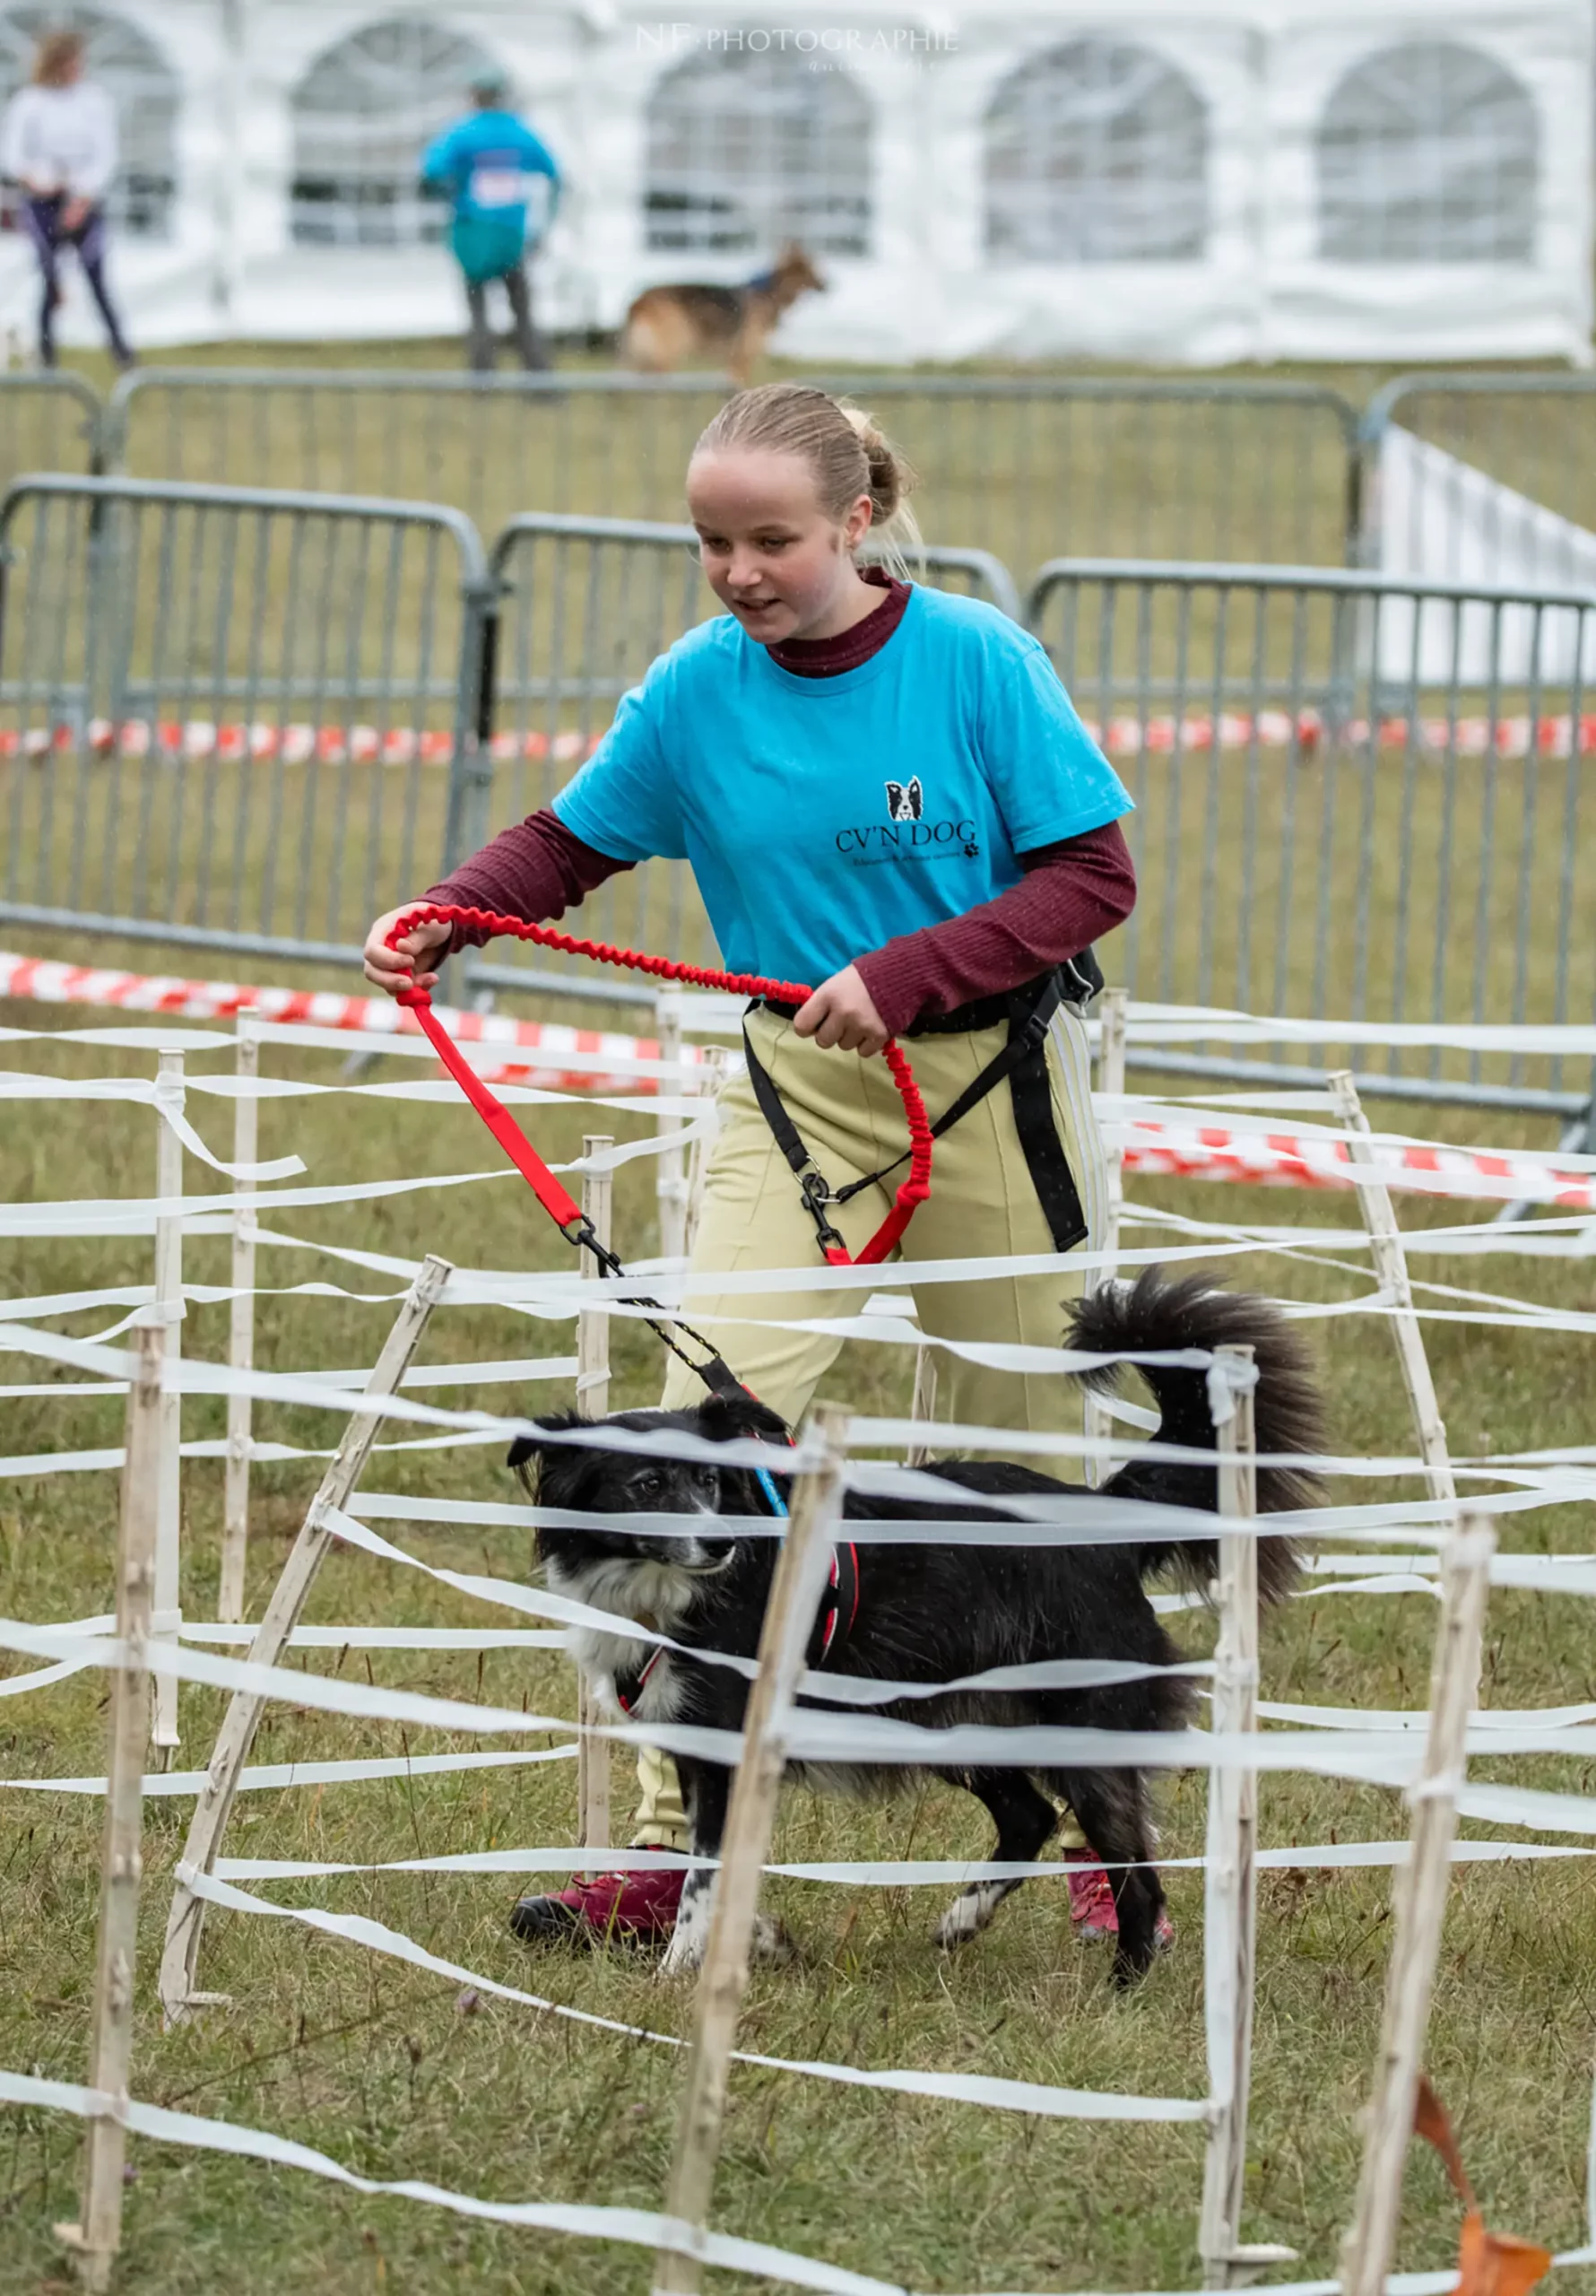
x=847, y=453
x=54, y=58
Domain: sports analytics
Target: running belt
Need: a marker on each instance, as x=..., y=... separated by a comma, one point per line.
x=1022, y=1063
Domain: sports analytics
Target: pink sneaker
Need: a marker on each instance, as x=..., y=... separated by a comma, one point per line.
x=639, y=1907
x=1091, y=1901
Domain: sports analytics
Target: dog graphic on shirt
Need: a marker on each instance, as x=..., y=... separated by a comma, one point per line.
x=905, y=805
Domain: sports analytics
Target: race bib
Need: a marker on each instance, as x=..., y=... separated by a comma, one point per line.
x=498, y=188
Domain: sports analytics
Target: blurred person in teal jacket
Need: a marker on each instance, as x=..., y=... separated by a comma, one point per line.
x=505, y=187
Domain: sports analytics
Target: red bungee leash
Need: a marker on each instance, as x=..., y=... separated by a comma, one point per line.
x=843, y=1582
x=560, y=1205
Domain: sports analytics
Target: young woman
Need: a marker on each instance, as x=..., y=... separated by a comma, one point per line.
x=58, y=141
x=883, y=789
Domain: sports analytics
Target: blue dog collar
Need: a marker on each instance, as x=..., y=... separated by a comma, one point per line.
x=773, y=1498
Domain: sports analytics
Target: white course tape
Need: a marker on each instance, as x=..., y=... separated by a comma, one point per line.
x=1166, y=1024
x=1080, y=1516
x=386, y=1638
x=1482, y=1721
x=325, y=1692
x=14, y=1685
x=1388, y=1758
x=34, y=1464
x=958, y=2088
x=1526, y=1805
x=324, y=1638
x=272, y=1776
x=316, y=1391
x=1055, y=1674
x=872, y=1873
x=163, y=1094
x=638, y=2228
x=58, y=1390
x=633, y=2226
x=137, y=1215
x=127, y=1037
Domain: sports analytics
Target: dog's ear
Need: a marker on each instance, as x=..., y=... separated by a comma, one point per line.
x=527, y=1449
x=724, y=1418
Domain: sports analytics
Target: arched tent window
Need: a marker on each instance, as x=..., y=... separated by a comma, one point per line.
x=1096, y=152
x=132, y=72
x=362, y=115
x=1427, y=154
x=748, y=148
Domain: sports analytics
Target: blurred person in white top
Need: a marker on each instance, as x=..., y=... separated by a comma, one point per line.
x=59, y=142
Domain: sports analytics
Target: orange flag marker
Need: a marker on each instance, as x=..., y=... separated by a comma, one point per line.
x=1489, y=2263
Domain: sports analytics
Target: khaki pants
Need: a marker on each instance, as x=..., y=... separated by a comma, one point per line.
x=982, y=1204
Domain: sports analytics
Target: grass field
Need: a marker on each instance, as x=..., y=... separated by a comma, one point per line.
x=397, y=2074
x=385, y=2069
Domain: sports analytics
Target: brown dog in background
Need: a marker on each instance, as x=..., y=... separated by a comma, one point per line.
x=668, y=326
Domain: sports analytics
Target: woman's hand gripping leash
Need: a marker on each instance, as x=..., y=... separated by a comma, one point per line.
x=841, y=1013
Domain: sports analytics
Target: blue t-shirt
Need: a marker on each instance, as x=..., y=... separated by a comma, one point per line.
x=490, y=165
x=823, y=816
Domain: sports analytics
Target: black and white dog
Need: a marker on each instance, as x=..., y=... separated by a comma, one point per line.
x=936, y=1612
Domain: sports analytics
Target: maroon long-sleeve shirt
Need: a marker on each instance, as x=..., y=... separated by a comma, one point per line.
x=1071, y=892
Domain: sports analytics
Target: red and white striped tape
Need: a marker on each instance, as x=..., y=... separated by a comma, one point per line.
x=1287, y=1160
x=1156, y=1146
x=198, y=739
x=48, y=982
x=1556, y=736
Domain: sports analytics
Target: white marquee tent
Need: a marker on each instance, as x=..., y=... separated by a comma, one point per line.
x=1191, y=181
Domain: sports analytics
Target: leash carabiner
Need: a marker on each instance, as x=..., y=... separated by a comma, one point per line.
x=816, y=1191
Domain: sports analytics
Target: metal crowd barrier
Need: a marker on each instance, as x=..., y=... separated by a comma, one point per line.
x=1193, y=467
x=229, y=719
x=1357, y=798
x=1482, y=473
x=249, y=720
x=50, y=419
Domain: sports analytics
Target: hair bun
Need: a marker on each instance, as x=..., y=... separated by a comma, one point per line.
x=890, y=477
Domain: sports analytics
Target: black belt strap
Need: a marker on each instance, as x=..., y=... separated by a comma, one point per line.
x=1023, y=1061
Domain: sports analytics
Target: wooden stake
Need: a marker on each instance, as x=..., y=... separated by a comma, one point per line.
x=794, y=1596
x=95, y=2240
x=922, y=1407
x=592, y=1325
x=712, y=1080
x=1419, y=1907
x=1111, y=1081
x=168, y=1297
x=1390, y=1264
x=1230, y=1886
x=184, y=1923
x=593, y=1395
x=240, y=1349
x=670, y=1181
x=1420, y=1892
x=592, y=1774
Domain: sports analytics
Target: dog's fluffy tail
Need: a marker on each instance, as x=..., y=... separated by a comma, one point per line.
x=1158, y=1315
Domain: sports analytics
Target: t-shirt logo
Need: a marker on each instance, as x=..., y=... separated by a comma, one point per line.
x=905, y=805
